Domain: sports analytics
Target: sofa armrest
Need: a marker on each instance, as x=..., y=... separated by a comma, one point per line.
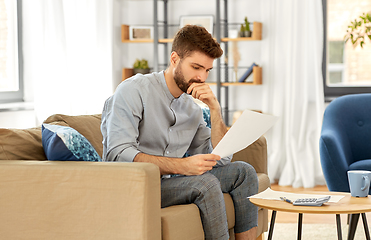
x=255, y=154
x=79, y=200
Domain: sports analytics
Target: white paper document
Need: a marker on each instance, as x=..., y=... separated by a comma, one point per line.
x=269, y=194
x=246, y=130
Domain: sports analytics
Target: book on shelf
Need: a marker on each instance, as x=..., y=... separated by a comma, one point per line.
x=247, y=73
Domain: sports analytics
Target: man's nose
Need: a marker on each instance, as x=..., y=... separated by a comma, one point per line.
x=202, y=77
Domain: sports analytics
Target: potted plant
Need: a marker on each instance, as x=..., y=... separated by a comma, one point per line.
x=141, y=66
x=358, y=30
x=245, y=29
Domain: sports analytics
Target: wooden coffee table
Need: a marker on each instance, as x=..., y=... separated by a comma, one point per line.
x=347, y=205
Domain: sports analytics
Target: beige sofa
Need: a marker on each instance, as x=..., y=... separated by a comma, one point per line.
x=96, y=200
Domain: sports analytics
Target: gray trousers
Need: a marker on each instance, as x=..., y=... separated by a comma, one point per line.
x=239, y=179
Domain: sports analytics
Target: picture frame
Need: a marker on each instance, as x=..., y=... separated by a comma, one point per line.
x=206, y=21
x=140, y=32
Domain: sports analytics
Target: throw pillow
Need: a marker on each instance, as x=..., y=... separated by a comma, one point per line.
x=206, y=115
x=66, y=144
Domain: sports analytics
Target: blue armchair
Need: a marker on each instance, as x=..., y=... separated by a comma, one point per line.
x=345, y=142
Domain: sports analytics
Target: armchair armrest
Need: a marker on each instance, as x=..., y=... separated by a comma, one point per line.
x=255, y=154
x=79, y=200
x=336, y=157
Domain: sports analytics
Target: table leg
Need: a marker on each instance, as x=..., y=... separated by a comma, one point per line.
x=365, y=225
x=273, y=218
x=338, y=225
x=300, y=224
x=353, y=225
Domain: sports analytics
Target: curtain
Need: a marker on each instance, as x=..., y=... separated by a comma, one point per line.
x=293, y=89
x=68, y=55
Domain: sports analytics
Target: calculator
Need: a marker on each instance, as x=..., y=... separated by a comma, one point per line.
x=311, y=201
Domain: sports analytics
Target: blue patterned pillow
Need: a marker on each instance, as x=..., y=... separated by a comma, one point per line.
x=206, y=115
x=66, y=144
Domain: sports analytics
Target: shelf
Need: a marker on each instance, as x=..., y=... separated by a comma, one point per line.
x=257, y=79
x=226, y=84
x=126, y=73
x=165, y=40
x=126, y=39
x=256, y=36
x=146, y=41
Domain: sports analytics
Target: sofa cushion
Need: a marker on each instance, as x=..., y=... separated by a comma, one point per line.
x=65, y=143
x=86, y=125
x=229, y=208
x=184, y=222
x=181, y=222
x=17, y=144
x=254, y=154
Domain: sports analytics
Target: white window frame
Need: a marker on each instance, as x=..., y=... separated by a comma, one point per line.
x=16, y=96
x=332, y=92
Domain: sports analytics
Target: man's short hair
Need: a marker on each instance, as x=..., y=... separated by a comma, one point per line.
x=193, y=38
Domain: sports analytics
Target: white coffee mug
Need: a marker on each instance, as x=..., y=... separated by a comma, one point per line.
x=359, y=182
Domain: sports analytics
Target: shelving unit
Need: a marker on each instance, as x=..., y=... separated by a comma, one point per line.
x=257, y=79
x=256, y=35
x=221, y=82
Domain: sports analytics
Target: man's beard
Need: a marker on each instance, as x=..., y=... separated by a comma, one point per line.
x=180, y=80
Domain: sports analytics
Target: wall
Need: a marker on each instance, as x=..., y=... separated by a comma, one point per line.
x=140, y=12
x=18, y=119
x=17, y=115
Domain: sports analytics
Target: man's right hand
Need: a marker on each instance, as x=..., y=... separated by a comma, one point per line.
x=198, y=164
x=194, y=165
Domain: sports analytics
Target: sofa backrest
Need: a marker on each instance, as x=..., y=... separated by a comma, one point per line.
x=26, y=144
x=21, y=144
x=87, y=125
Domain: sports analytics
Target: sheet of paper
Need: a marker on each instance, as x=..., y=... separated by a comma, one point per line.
x=269, y=194
x=246, y=130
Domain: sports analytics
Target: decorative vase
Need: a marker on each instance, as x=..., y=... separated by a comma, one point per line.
x=245, y=33
x=141, y=70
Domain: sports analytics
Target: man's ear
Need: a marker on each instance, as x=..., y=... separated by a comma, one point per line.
x=174, y=58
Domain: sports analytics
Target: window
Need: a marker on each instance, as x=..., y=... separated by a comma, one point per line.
x=11, y=83
x=346, y=69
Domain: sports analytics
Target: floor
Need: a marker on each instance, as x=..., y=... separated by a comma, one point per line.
x=283, y=217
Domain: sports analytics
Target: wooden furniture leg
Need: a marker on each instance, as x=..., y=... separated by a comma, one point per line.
x=273, y=219
x=338, y=226
x=365, y=225
x=353, y=225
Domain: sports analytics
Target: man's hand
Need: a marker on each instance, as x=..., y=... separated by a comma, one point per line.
x=194, y=165
x=198, y=164
x=203, y=92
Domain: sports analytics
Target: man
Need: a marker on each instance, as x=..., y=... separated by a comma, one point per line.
x=152, y=118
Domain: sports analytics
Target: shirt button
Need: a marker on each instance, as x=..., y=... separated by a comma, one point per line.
x=170, y=129
x=167, y=152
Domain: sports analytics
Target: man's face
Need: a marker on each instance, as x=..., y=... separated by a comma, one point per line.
x=192, y=69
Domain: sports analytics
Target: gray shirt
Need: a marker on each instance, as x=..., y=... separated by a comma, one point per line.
x=143, y=116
